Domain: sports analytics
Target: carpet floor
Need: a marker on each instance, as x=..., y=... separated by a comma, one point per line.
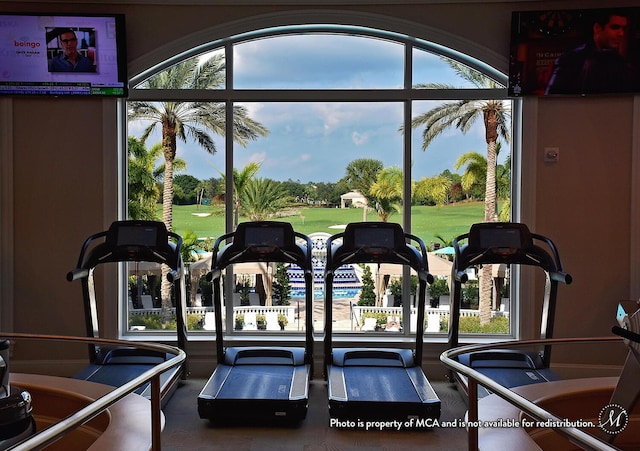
x=185, y=430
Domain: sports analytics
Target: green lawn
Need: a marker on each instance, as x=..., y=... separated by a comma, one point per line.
x=448, y=221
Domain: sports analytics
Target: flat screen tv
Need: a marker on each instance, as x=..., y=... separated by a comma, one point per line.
x=63, y=55
x=575, y=52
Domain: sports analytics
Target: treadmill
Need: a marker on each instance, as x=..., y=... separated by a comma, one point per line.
x=260, y=382
x=377, y=383
x=130, y=241
x=511, y=244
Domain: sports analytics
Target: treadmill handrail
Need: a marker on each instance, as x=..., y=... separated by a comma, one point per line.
x=339, y=255
x=230, y=254
x=108, y=249
x=415, y=258
x=575, y=435
x=530, y=254
x=97, y=406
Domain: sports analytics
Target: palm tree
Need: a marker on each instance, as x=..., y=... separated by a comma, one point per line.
x=360, y=175
x=189, y=119
x=462, y=114
x=386, y=192
x=475, y=171
x=142, y=180
x=143, y=177
x=433, y=190
x=241, y=180
x=261, y=198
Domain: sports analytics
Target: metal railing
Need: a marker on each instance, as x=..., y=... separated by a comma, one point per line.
x=82, y=416
x=575, y=435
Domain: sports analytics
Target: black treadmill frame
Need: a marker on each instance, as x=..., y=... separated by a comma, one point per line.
x=127, y=241
x=240, y=249
x=525, y=251
x=354, y=250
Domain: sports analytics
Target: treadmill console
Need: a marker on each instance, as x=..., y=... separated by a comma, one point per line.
x=127, y=241
x=374, y=238
x=263, y=239
x=500, y=238
x=134, y=235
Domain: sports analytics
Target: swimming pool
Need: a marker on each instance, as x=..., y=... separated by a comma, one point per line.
x=338, y=293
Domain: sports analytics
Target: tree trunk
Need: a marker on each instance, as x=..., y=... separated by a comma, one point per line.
x=168, y=147
x=491, y=128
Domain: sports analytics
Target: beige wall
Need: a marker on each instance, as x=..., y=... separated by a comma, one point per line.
x=63, y=157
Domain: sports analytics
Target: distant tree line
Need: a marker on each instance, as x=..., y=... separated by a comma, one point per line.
x=382, y=186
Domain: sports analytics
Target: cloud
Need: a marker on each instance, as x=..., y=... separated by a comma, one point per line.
x=359, y=139
x=257, y=157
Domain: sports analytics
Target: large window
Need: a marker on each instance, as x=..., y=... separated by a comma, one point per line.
x=321, y=126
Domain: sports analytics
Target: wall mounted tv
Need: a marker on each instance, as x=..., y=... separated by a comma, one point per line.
x=63, y=55
x=575, y=52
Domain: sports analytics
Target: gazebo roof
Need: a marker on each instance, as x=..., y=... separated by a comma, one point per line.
x=352, y=195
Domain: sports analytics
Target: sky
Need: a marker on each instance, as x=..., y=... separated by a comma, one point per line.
x=314, y=142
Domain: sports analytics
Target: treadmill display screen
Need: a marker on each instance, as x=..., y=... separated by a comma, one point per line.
x=264, y=236
x=500, y=238
x=374, y=237
x=137, y=236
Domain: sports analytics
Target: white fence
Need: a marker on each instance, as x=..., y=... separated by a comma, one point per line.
x=433, y=315
x=289, y=311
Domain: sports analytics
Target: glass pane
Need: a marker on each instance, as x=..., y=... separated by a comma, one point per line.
x=451, y=167
x=198, y=192
x=304, y=161
x=206, y=71
x=315, y=142
x=453, y=196
x=434, y=71
x=318, y=61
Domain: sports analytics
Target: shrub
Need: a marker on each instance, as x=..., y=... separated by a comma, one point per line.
x=195, y=321
x=154, y=321
x=381, y=317
x=471, y=324
x=281, y=285
x=367, y=294
x=239, y=321
x=438, y=288
x=471, y=294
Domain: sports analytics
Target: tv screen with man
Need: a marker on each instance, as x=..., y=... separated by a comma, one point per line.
x=62, y=55
x=575, y=52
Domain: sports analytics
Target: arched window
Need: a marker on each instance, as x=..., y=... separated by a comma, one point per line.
x=299, y=116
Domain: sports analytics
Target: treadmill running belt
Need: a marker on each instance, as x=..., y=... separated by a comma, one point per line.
x=379, y=384
x=258, y=382
x=114, y=375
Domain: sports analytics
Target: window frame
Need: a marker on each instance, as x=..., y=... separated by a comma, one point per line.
x=405, y=96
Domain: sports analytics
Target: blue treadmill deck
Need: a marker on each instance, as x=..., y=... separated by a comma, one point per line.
x=379, y=384
x=257, y=383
